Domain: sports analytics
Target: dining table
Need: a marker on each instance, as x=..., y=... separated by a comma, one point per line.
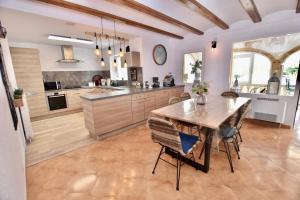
x=209, y=117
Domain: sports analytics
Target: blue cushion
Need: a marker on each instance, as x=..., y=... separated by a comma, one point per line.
x=227, y=132
x=187, y=141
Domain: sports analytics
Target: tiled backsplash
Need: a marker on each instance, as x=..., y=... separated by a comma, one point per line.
x=73, y=78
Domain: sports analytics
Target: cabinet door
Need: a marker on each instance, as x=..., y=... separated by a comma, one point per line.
x=37, y=104
x=74, y=100
x=138, y=110
x=149, y=106
x=161, y=99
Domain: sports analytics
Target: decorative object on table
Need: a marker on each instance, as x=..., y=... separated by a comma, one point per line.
x=196, y=69
x=97, y=79
x=273, y=84
x=146, y=84
x=155, y=83
x=200, y=90
x=2, y=31
x=236, y=86
x=18, y=97
x=169, y=80
x=7, y=90
x=159, y=54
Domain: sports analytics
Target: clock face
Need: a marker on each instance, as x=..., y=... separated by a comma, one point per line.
x=159, y=54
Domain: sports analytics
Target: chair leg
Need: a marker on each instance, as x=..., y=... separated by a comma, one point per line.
x=202, y=150
x=237, y=143
x=228, y=155
x=181, y=128
x=236, y=148
x=162, y=148
x=199, y=132
x=239, y=133
x=178, y=170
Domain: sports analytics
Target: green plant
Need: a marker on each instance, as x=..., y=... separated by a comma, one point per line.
x=18, y=93
x=200, y=88
x=197, y=65
x=291, y=71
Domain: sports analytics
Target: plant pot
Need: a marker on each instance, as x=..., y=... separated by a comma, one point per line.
x=18, y=102
x=17, y=96
x=201, y=99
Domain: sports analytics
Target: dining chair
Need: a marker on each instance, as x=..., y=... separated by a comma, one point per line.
x=182, y=124
x=185, y=96
x=243, y=111
x=166, y=134
x=230, y=94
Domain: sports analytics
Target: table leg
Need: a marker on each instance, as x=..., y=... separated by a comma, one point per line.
x=22, y=124
x=208, y=141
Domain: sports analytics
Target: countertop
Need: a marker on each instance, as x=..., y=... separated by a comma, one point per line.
x=121, y=91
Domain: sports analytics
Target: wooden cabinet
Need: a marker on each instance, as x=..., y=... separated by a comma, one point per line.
x=73, y=99
x=149, y=103
x=26, y=63
x=132, y=59
x=161, y=98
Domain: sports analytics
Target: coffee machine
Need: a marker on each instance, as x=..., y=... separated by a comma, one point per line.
x=155, y=83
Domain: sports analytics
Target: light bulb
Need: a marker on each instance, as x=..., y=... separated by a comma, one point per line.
x=115, y=63
x=121, y=54
x=125, y=64
x=102, y=62
x=97, y=51
x=109, y=52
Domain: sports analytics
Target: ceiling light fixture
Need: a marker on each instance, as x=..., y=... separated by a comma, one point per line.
x=102, y=59
x=125, y=61
x=97, y=51
x=121, y=51
x=109, y=52
x=69, y=39
x=115, y=37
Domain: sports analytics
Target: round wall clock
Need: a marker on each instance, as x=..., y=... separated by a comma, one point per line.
x=159, y=54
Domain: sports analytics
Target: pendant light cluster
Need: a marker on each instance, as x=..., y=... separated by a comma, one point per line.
x=110, y=51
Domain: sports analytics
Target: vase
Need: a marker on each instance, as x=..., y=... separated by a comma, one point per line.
x=18, y=102
x=201, y=99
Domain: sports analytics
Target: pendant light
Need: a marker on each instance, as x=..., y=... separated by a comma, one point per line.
x=102, y=59
x=121, y=54
x=127, y=47
x=115, y=37
x=125, y=61
x=97, y=51
x=109, y=52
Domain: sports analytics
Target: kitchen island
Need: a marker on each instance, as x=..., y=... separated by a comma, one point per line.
x=109, y=111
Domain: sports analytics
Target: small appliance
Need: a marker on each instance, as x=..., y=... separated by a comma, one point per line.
x=169, y=81
x=52, y=85
x=155, y=83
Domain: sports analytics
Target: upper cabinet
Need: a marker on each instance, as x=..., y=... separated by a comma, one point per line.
x=132, y=59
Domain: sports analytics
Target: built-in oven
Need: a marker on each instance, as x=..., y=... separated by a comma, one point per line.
x=57, y=101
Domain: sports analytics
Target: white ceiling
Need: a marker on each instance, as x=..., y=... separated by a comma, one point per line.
x=30, y=27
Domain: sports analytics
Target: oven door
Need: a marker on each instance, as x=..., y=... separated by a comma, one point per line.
x=57, y=101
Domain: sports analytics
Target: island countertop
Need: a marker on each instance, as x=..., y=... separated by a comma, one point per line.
x=109, y=92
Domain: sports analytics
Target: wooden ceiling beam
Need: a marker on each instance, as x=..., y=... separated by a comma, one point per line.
x=298, y=7
x=251, y=9
x=154, y=13
x=199, y=8
x=108, y=16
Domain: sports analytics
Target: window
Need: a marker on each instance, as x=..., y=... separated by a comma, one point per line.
x=118, y=72
x=290, y=70
x=189, y=59
x=251, y=68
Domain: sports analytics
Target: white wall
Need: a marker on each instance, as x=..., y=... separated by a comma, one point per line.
x=217, y=63
x=49, y=54
x=12, y=146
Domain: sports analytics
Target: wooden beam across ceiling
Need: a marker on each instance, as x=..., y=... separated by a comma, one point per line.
x=108, y=16
x=154, y=13
x=250, y=7
x=199, y=8
x=298, y=7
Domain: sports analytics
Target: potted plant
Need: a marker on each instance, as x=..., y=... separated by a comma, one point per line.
x=18, y=97
x=201, y=90
x=196, y=67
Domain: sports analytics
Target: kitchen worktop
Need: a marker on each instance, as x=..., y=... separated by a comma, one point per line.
x=120, y=91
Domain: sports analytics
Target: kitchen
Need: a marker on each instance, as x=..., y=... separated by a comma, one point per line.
x=62, y=71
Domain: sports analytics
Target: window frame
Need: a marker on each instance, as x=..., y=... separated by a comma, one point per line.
x=183, y=66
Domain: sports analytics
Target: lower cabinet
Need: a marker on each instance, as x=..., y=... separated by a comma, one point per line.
x=37, y=104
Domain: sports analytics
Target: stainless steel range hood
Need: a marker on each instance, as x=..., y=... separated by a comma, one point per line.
x=67, y=55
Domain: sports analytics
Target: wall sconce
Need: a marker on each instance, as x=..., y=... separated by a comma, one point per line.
x=213, y=45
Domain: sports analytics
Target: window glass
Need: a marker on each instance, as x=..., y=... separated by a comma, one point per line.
x=189, y=59
x=261, y=69
x=290, y=69
x=241, y=67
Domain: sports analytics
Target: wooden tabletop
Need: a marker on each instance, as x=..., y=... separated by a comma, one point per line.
x=211, y=115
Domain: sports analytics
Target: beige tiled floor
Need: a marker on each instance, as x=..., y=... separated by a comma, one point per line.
x=120, y=168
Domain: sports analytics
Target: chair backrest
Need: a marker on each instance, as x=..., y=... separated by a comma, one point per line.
x=243, y=113
x=165, y=133
x=174, y=100
x=185, y=96
x=230, y=94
